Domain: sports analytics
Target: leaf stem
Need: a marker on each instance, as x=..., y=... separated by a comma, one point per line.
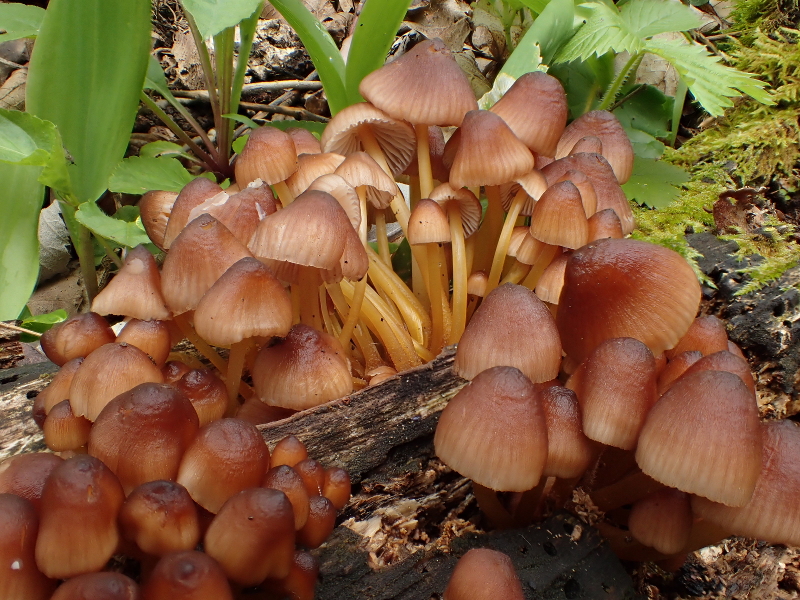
x=109, y=251
x=677, y=111
x=619, y=80
x=223, y=57
x=247, y=32
x=82, y=242
x=208, y=69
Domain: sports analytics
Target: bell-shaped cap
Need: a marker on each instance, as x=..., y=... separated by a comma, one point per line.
x=135, y=291
x=155, y=207
x=193, y=194
x=306, y=369
x=707, y=334
x=605, y=224
x=535, y=107
x=489, y=153
x=241, y=212
x=154, y=338
x=550, y=284
x=428, y=224
x=269, y=155
x=533, y=184
x=24, y=475
x=603, y=125
x=558, y=218
x=360, y=170
x=310, y=167
x=77, y=337
x=662, y=520
x=569, y=451
x=469, y=206
x=626, y=288
x=189, y=575
x=512, y=327
x=105, y=585
x=246, y=301
x=424, y=86
x=484, y=574
x=493, y=431
x=703, y=437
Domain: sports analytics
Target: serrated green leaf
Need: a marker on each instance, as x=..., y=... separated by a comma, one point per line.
x=584, y=81
x=711, y=83
x=25, y=139
x=647, y=18
x=86, y=76
x=603, y=31
x=21, y=197
x=118, y=231
x=162, y=148
x=19, y=21
x=644, y=144
x=551, y=29
x=649, y=110
x=212, y=16
x=137, y=175
x=654, y=182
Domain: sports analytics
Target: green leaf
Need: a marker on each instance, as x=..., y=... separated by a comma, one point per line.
x=19, y=21
x=24, y=139
x=86, y=76
x=21, y=197
x=644, y=144
x=603, y=31
x=501, y=85
x=711, y=83
x=551, y=29
x=649, y=110
x=119, y=231
x=654, y=182
x=584, y=81
x=401, y=261
x=127, y=213
x=238, y=144
x=242, y=119
x=212, y=16
x=162, y=148
x=537, y=6
x=155, y=78
x=137, y=175
x=40, y=323
x=376, y=29
x=320, y=47
x=650, y=17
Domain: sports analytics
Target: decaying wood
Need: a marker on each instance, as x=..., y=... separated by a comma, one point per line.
x=18, y=387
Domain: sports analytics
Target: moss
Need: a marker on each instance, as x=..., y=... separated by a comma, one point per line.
x=752, y=145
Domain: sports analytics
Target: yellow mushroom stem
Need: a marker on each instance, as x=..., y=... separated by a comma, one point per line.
x=460, y=273
x=309, y=298
x=505, y=240
x=489, y=232
x=353, y=313
x=424, y=161
x=236, y=361
x=284, y=195
x=542, y=261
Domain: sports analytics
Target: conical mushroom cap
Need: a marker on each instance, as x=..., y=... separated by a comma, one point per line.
x=247, y=301
x=493, y=431
x=269, y=155
x=135, y=291
x=360, y=169
x=428, y=224
x=484, y=574
x=310, y=167
x=604, y=126
x=489, y=153
x=198, y=257
x=154, y=208
x=626, y=288
x=468, y=205
x=703, y=437
x=558, y=218
x=511, y=327
x=424, y=86
x=193, y=194
x=535, y=108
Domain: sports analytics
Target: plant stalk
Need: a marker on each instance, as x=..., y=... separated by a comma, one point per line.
x=208, y=70
x=619, y=80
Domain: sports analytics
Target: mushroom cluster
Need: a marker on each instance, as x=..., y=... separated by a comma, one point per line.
x=157, y=498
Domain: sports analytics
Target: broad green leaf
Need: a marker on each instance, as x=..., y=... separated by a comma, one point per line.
x=649, y=110
x=40, y=323
x=644, y=144
x=118, y=231
x=604, y=31
x=551, y=29
x=238, y=144
x=85, y=76
x=377, y=27
x=537, y=6
x=584, y=81
x=155, y=78
x=21, y=197
x=712, y=83
x=128, y=213
x=654, y=182
x=212, y=16
x=137, y=175
x=162, y=148
x=19, y=21
x=24, y=139
x=649, y=17
x=320, y=47
x=501, y=85
x=55, y=173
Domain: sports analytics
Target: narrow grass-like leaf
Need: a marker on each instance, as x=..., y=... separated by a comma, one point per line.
x=19, y=21
x=212, y=16
x=551, y=29
x=85, y=76
x=162, y=148
x=21, y=197
x=377, y=27
x=121, y=232
x=712, y=83
x=537, y=6
x=320, y=47
x=155, y=78
x=137, y=175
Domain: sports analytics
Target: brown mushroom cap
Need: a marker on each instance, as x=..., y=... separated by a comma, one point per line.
x=193, y=194
x=559, y=219
x=626, y=288
x=77, y=337
x=142, y=434
x=64, y=431
x=320, y=523
x=513, y=328
x=56, y=391
x=603, y=125
x=424, y=86
x=484, y=574
x=569, y=451
x=493, y=431
x=310, y=167
x=287, y=480
x=206, y=392
x=78, y=528
x=95, y=586
x=242, y=211
x=269, y=155
x=19, y=577
x=662, y=520
x=154, y=338
x=306, y=369
x=135, y=291
x=535, y=107
x=703, y=437
x=155, y=208
x=189, y=575
x=24, y=475
x=707, y=334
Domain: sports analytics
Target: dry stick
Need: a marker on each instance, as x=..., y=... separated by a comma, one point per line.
x=504, y=240
x=19, y=329
x=460, y=273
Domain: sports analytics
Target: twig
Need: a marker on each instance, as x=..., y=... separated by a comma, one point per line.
x=264, y=86
x=11, y=64
x=20, y=329
x=299, y=113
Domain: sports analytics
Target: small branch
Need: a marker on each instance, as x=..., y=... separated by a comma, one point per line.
x=621, y=78
x=12, y=64
x=19, y=329
x=299, y=113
